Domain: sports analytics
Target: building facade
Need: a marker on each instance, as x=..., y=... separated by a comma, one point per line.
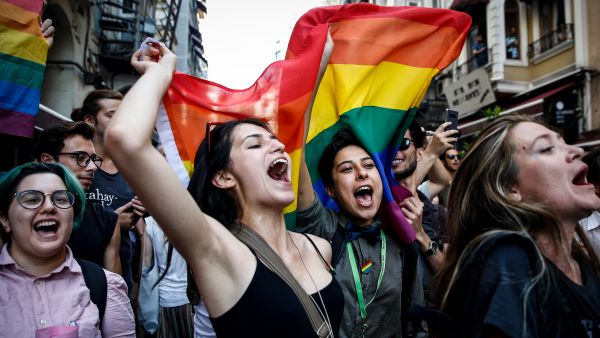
x=535, y=59
x=93, y=44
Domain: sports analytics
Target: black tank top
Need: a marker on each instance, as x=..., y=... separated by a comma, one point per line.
x=269, y=308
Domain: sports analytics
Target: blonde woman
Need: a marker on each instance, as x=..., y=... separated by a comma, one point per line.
x=513, y=266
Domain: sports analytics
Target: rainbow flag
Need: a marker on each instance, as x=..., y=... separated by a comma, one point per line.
x=382, y=63
x=23, y=52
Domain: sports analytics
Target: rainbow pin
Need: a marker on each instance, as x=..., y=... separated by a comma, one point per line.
x=367, y=266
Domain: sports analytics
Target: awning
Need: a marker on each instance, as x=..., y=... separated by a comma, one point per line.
x=531, y=106
x=545, y=94
x=459, y=4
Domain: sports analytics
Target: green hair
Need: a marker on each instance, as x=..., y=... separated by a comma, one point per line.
x=10, y=180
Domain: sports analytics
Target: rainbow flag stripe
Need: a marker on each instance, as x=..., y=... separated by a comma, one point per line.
x=382, y=63
x=23, y=54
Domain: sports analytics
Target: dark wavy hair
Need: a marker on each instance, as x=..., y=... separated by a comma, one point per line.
x=341, y=139
x=218, y=203
x=51, y=140
x=90, y=103
x=10, y=180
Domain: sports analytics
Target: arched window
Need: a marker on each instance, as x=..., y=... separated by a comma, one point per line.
x=511, y=20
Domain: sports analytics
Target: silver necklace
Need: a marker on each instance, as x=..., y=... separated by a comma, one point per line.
x=326, y=315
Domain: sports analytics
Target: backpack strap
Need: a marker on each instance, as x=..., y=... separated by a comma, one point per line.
x=95, y=280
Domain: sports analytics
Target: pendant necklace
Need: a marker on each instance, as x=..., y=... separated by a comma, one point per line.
x=325, y=315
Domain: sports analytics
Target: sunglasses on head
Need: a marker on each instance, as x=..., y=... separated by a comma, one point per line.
x=405, y=143
x=453, y=156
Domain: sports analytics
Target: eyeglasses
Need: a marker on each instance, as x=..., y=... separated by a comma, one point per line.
x=33, y=199
x=83, y=158
x=405, y=143
x=454, y=156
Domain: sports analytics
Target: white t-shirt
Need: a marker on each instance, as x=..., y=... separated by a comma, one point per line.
x=202, y=325
x=172, y=288
x=424, y=188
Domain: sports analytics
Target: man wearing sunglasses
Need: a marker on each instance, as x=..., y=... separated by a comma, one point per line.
x=97, y=239
x=450, y=160
x=410, y=165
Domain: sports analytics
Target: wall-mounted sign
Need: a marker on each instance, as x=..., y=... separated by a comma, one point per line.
x=469, y=93
x=563, y=114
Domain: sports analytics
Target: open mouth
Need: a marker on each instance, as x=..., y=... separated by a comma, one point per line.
x=278, y=170
x=397, y=161
x=46, y=228
x=364, y=195
x=581, y=178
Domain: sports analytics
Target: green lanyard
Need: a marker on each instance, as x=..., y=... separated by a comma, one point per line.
x=358, y=286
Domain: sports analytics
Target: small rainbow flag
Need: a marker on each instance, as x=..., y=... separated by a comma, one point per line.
x=382, y=63
x=367, y=266
x=23, y=54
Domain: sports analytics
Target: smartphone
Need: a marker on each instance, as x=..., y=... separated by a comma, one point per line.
x=452, y=116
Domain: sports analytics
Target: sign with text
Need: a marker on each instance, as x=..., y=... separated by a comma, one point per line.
x=469, y=93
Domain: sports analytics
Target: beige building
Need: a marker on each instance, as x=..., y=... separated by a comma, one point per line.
x=92, y=48
x=538, y=57
x=535, y=57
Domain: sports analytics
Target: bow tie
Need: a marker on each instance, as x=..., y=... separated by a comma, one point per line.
x=371, y=233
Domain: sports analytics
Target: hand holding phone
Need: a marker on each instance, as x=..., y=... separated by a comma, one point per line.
x=452, y=117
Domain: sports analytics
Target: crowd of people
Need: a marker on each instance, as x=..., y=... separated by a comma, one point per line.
x=506, y=242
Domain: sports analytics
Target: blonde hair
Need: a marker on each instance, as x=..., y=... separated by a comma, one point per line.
x=480, y=206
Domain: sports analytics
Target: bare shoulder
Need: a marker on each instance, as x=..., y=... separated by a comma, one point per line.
x=322, y=244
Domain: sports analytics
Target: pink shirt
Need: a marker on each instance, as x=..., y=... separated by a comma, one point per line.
x=61, y=298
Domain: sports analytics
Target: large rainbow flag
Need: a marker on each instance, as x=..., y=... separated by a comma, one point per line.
x=382, y=63
x=23, y=52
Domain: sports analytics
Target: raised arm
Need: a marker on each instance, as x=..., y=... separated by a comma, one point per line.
x=306, y=194
x=207, y=246
x=439, y=178
x=440, y=141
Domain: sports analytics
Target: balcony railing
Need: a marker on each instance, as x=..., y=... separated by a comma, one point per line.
x=473, y=63
x=547, y=42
